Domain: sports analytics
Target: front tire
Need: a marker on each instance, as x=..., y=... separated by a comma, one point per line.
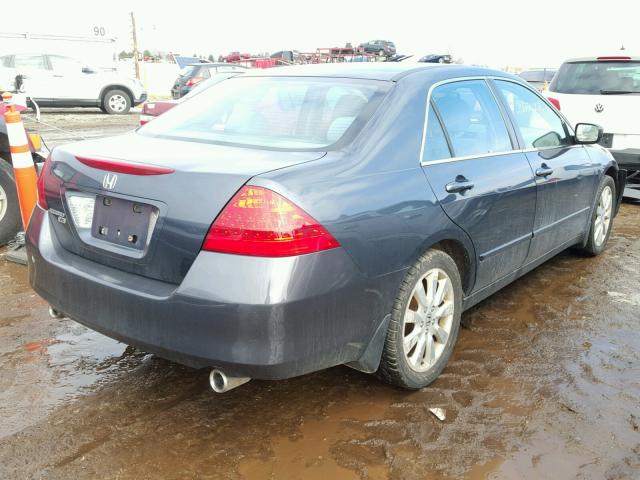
x=116, y=102
x=424, y=323
x=10, y=221
x=601, y=218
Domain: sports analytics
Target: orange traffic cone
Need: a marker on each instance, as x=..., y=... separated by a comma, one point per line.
x=24, y=170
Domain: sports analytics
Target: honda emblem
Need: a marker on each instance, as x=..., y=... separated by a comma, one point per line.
x=109, y=181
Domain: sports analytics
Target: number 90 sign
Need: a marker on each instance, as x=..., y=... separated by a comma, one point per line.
x=99, y=31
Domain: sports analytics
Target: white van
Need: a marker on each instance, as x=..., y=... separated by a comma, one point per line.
x=604, y=91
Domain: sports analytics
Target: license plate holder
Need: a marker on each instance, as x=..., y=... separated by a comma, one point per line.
x=122, y=222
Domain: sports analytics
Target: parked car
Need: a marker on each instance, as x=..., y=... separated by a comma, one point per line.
x=10, y=221
x=236, y=57
x=150, y=110
x=58, y=81
x=436, y=58
x=285, y=57
x=299, y=218
x=193, y=74
x=604, y=90
x=381, y=47
x=538, y=78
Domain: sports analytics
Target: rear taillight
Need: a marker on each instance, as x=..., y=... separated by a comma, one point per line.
x=555, y=102
x=45, y=176
x=193, y=81
x=259, y=222
x=144, y=119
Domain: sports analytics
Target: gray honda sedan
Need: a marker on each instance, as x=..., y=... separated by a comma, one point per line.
x=297, y=218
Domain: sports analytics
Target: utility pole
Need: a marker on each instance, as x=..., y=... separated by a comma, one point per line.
x=135, y=46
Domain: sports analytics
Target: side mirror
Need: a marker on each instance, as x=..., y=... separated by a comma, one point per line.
x=588, y=133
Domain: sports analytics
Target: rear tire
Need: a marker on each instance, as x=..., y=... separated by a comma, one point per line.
x=424, y=323
x=10, y=221
x=116, y=102
x=601, y=218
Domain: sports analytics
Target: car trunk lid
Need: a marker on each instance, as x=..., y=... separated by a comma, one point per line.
x=143, y=204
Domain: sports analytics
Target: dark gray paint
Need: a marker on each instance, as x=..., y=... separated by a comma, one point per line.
x=276, y=318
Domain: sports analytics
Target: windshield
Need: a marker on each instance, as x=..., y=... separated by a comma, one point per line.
x=596, y=78
x=291, y=113
x=188, y=70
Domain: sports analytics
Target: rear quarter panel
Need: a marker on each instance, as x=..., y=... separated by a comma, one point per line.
x=373, y=196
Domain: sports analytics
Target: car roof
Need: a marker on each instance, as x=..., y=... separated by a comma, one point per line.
x=219, y=64
x=387, y=71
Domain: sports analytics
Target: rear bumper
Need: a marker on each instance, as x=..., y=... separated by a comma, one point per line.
x=178, y=93
x=266, y=318
x=628, y=159
x=141, y=99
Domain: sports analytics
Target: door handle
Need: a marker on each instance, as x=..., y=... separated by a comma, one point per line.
x=544, y=171
x=58, y=76
x=460, y=185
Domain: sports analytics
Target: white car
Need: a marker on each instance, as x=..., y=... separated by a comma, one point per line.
x=58, y=81
x=604, y=91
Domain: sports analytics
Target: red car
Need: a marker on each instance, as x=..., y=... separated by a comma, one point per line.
x=153, y=109
x=236, y=57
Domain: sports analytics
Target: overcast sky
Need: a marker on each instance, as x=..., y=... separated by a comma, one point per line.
x=499, y=33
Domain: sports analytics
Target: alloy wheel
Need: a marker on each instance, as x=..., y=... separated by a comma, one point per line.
x=603, y=216
x=117, y=103
x=3, y=203
x=428, y=320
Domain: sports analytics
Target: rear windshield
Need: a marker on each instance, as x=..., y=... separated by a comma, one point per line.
x=189, y=70
x=289, y=113
x=597, y=78
x=538, y=75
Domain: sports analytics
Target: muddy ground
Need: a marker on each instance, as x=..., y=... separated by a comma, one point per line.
x=58, y=126
x=544, y=383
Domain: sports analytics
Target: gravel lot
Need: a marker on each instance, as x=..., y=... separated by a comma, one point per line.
x=544, y=383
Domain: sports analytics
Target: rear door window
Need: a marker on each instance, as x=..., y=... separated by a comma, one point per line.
x=471, y=118
x=539, y=125
x=598, y=78
x=29, y=61
x=435, y=141
x=65, y=64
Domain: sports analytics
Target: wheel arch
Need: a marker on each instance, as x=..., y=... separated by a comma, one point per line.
x=461, y=256
x=4, y=146
x=116, y=86
x=456, y=243
x=613, y=170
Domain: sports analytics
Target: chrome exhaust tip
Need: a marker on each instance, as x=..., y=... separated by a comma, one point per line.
x=221, y=383
x=53, y=313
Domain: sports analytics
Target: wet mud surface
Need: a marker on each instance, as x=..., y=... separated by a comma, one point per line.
x=63, y=125
x=544, y=383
